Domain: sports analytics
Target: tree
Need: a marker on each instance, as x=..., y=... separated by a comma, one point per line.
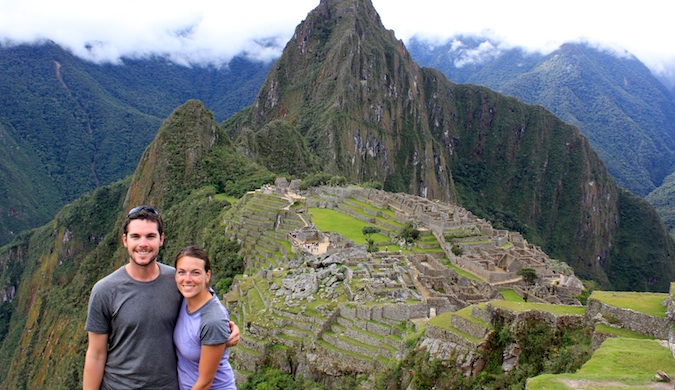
x=368, y=231
x=409, y=233
x=530, y=277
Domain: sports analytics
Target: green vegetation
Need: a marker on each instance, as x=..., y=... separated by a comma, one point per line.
x=409, y=233
x=603, y=109
x=620, y=332
x=647, y=303
x=545, y=352
x=328, y=220
x=511, y=295
x=462, y=272
x=273, y=379
x=630, y=362
x=368, y=231
x=530, y=277
x=65, y=134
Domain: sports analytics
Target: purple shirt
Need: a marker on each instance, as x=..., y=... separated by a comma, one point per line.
x=208, y=325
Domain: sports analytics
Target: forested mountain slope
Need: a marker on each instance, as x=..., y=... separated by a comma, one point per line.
x=70, y=126
x=625, y=112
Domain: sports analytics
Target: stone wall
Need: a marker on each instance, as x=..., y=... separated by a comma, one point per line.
x=434, y=332
x=568, y=321
x=659, y=328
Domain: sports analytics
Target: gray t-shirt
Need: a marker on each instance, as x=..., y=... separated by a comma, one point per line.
x=138, y=318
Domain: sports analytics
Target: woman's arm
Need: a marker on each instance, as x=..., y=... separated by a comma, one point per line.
x=209, y=359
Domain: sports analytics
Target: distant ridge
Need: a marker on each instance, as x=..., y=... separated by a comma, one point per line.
x=625, y=112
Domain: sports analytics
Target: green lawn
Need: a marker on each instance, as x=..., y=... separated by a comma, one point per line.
x=511, y=295
x=647, y=303
x=221, y=197
x=329, y=220
x=621, y=332
x=618, y=363
x=463, y=272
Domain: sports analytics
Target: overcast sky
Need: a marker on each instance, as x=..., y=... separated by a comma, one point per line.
x=213, y=31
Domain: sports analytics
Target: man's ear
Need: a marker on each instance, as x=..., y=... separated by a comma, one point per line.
x=161, y=239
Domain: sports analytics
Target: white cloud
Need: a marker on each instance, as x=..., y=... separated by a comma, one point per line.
x=215, y=30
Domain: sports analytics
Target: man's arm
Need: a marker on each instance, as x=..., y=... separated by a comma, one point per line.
x=94, y=362
x=234, y=336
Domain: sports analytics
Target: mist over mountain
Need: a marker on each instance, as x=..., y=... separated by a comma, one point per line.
x=624, y=111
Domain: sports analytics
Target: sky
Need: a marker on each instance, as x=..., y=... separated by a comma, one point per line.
x=213, y=31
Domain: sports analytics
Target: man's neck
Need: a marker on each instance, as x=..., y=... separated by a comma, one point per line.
x=143, y=273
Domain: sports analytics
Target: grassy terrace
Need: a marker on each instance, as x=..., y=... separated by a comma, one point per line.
x=511, y=295
x=330, y=347
x=618, y=363
x=369, y=206
x=328, y=220
x=466, y=314
x=459, y=270
x=222, y=197
x=360, y=210
x=647, y=303
x=442, y=321
x=553, y=309
x=621, y=332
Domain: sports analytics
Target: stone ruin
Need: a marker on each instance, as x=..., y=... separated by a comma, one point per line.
x=494, y=255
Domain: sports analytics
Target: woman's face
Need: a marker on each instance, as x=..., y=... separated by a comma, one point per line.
x=191, y=278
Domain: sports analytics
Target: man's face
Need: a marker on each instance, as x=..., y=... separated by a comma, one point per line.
x=142, y=241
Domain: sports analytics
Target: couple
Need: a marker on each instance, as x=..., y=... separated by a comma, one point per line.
x=137, y=313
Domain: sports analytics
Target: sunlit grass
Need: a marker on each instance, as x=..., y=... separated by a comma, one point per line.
x=621, y=332
x=626, y=361
x=511, y=295
x=328, y=220
x=647, y=303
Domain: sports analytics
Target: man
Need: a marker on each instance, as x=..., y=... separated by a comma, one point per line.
x=132, y=313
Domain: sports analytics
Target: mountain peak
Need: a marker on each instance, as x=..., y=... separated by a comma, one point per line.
x=353, y=95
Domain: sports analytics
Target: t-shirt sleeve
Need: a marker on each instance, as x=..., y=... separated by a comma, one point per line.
x=215, y=327
x=97, y=319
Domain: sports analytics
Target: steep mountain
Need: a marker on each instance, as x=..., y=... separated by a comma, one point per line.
x=70, y=125
x=347, y=99
x=625, y=112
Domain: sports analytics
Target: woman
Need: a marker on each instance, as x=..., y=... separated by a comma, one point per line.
x=202, y=328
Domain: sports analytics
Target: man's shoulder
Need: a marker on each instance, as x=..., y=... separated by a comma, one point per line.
x=112, y=278
x=166, y=269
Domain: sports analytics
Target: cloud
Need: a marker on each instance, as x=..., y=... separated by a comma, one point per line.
x=195, y=31
x=213, y=31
